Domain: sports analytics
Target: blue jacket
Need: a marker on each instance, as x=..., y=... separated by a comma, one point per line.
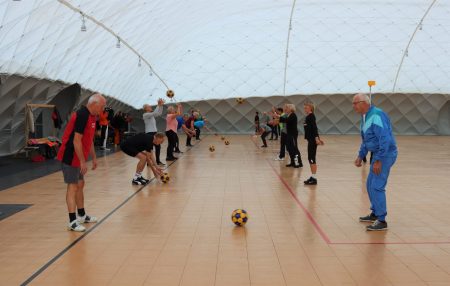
x=377, y=137
x=180, y=121
x=199, y=124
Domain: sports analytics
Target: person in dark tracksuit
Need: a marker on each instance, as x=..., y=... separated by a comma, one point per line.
x=377, y=137
x=312, y=136
x=282, y=112
x=291, y=136
x=257, y=122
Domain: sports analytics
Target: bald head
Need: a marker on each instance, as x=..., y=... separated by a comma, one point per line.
x=361, y=103
x=96, y=103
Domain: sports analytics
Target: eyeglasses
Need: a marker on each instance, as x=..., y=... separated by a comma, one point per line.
x=356, y=102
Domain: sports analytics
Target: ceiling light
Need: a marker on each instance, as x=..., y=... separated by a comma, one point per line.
x=83, y=24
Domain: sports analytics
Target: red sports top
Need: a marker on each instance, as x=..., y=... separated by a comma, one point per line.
x=81, y=122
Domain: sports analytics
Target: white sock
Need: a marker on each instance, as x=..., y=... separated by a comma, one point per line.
x=314, y=176
x=137, y=175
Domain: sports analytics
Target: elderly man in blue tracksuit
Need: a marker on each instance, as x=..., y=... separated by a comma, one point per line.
x=377, y=137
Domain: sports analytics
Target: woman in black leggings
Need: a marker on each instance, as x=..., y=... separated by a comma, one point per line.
x=171, y=130
x=312, y=136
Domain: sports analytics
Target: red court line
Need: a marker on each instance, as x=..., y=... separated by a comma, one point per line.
x=419, y=242
x=317, y=226
x=319, y=229
x=299, y=203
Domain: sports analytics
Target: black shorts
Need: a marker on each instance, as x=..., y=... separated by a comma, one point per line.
x=312, y=149
x=130, y=151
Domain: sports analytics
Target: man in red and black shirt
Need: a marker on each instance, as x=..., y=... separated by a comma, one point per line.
x=77, y=144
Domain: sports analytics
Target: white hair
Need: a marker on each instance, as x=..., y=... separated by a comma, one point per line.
x=291, y=107
x=363, y=97
x=95, y=98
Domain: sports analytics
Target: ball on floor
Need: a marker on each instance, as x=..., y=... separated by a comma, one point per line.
x=239, y=217
x=165, y=178
x=212, y=148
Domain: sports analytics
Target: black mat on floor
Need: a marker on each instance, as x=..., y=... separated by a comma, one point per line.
x=15, y=171
x=7, y=210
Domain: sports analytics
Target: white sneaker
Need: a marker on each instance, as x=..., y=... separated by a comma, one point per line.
x=86, y=219
x=279, y=159
x=76, y=226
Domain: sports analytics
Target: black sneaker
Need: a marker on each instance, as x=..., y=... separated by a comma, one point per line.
x=377, y=226
x=171, y=159
x=264, y=146
x=177, y=151
x=137, y=182
x=298, y=166
x=311, y=181
x=144, y=180
x=368, y=218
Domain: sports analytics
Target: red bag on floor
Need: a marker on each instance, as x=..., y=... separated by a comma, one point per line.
x=38, y=158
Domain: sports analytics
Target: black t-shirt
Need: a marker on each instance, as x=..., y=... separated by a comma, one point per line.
x=291, y=124
x=310, y=126
x=140, y=142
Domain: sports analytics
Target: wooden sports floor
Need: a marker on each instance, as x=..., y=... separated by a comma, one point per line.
x=181, y=233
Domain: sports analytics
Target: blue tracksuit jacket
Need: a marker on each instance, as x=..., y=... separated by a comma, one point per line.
x=377, y=137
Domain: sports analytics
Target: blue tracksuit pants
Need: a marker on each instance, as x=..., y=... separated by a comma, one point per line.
x=376, y=187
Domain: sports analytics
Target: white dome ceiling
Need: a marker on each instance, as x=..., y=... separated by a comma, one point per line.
x=219, y=49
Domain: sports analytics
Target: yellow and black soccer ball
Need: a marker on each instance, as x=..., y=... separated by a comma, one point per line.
x=239, y=100
x=170, y=93
x=212, y=148
x=239, y=217
x=165, y=178
x=223, y=138
x=227, y=142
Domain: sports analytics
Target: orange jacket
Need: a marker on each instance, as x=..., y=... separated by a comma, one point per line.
x=103, y=118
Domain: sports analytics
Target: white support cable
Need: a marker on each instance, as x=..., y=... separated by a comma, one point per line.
x=287, y=47
x=121, y=40
x=405, y=53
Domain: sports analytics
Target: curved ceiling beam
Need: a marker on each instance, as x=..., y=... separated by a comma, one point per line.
x=405, y=52
x=121, y=40
x=287, y=47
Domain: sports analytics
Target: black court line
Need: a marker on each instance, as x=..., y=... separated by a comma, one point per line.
x=55, y=258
